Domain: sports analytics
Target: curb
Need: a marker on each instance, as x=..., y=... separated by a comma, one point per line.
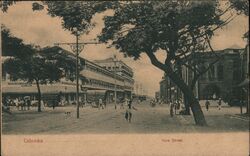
x=239, y=117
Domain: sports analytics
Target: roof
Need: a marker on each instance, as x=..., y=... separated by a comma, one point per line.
x=111, y=59
x=55, y=88
x=235, y=46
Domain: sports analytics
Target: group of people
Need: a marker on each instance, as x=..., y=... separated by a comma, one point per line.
x=207, y=104
x=21, y=103
x=125, y=103
x=174, y=106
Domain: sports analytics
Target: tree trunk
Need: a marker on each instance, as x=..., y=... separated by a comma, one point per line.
x=39, y=96
x=187, y=91
x=187, y=106
x=247, y=100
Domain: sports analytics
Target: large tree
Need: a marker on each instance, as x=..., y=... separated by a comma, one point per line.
x=176, y=27
x=32, y=64
x=194, y=61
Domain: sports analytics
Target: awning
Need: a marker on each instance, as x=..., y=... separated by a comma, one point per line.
x=16, y=89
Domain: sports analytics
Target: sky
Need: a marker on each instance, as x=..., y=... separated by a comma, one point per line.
x=41, y=29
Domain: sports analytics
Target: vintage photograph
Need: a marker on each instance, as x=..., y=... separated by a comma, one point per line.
x=135, y=78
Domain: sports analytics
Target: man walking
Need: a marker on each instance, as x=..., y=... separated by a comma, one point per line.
x=171, y=109
x=219, y=103
x=100, y=103
x=207, y=104
x=128, y=114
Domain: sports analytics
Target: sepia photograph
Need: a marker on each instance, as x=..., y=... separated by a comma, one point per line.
x=125, y=78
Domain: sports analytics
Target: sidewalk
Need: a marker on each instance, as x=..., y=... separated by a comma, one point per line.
x=244, y=117
x=213, y=103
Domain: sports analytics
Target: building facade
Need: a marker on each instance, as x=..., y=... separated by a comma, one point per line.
x=218, y=81
x=122, y=76
x=95, y=81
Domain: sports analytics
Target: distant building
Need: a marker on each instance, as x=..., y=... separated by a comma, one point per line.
x=219, y=81
x=222, y=77
x=95, y=81
x=122, y=71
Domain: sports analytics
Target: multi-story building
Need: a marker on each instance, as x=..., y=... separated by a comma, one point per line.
x=95, y=81
x=219, y=81
x=222, y=77
x=122, y=72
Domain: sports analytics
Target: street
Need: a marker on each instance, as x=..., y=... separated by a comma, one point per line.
x=146, y=119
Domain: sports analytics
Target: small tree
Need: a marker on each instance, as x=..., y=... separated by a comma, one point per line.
x=34, y=65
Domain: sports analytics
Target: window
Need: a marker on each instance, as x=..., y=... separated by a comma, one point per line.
x=203, y=68
x=236, y=74
x=211, y=73
x=220, y=72
x=72, y=97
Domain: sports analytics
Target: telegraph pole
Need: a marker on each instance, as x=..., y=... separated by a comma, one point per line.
x=115, y=82
x=77, y=48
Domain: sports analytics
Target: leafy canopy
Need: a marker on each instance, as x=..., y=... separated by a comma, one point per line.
x=31, y=63
x=177, y=27
x=77, y=15
x=242, y=6
x=13, y=46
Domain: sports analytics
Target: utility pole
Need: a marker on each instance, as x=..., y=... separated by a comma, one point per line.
x=115, y=81
x=77, y=48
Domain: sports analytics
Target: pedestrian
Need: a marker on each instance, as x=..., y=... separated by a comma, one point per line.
x=21, y=103
x=53, y=104
x=171, y=109
x=219, y=103
x=128, y=113
x=122, y=101
x=28, y=103
x=207, y=104
x=178, y=104
x=175, y=107
x=16, y=102
x=100, y=104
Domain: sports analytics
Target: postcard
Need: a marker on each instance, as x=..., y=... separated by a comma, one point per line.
x=125, y=78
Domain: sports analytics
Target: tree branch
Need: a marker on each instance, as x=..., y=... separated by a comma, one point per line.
x=155, y=61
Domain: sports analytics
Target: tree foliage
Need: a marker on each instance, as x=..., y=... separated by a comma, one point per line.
x=77, y=14
x=179, y=28
x=32, y=64
x=242, y=6
x=13, y=46
x=4, y=4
